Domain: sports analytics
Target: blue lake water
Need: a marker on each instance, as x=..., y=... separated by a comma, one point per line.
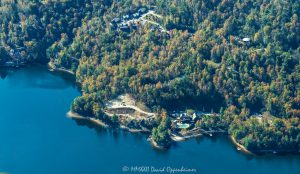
x=38, y=138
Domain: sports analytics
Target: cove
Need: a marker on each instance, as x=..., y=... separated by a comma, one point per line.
x=38, y=138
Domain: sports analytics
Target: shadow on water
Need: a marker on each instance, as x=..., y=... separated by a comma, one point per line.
x=37, y=76
x=86, y=123
x=4, y=72
x=206, y=153
x=118, y=134
x=115, y=133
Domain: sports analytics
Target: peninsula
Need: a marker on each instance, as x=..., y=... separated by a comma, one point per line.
x=176, y=69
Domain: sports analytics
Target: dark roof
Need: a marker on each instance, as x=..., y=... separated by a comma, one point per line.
x=134, y=26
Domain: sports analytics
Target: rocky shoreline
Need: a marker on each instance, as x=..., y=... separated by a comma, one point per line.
x=157, y=146
x=239, y=146
x=98, y=122
x=256, y=152
x=54, y=68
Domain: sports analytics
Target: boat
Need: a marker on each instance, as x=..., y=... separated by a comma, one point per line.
x=238, y=148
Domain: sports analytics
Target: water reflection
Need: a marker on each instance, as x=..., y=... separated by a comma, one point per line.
x=83, y=122
x=37, y=76
x=5, y=71
x=115, y=133
x=37, y=134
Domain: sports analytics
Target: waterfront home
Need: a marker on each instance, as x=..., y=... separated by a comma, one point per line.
x=209, y=114
x=13, y=64
x=174, y=114
x=186, y=119
x=182, y=125
x=9, y=64
x=195, y=116
x=12, y=52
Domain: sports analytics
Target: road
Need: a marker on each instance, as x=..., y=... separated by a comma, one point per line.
x=142, y=18
x=131, y=107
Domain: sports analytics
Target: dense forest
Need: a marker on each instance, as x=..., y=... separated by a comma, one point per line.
x=201, y=61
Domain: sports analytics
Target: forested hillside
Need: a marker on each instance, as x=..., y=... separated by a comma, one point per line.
x=233, y=57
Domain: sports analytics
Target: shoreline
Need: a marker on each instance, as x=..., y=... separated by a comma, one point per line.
x=134, y=130
x=53, y=68
x=159, y=147
x=74, y=115
x=98, y=122
x=238, y=145
x=178, y=138
x=259, y=152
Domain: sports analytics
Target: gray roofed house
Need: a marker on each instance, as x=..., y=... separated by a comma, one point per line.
x=246, y=39
x=123, y=24
x=142, y=10
x=134, y=26
x=126, y=17
x=12, y=52
x=125, y=28
x=116, y=20
x=136, y=15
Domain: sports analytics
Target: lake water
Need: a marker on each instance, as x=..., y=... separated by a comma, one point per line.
x=38, y=138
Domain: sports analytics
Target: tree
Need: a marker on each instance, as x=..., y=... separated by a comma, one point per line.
x=160, y=134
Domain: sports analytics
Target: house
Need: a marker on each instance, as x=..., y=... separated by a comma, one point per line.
x=186, y=119
x=182, y=115
x=142, y=11
x=124, y=28
x=116, y=20
x=257, y=115
x=123, y=24
x=152, y=29
x=194, y=116
x=126, y=17
x=174, y=114
x=136, y=15
x=182, y=125
x=9, y=64
x=198, y=115
x=246, y=39
x=12, y=52
x=134, y=26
